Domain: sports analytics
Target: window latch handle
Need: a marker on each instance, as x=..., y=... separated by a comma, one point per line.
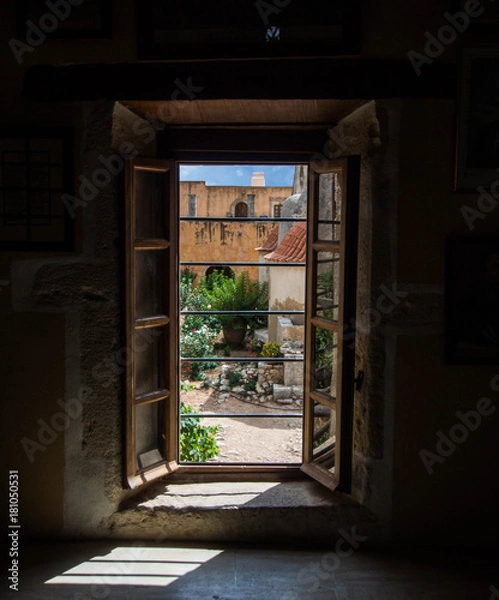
x=359, y=380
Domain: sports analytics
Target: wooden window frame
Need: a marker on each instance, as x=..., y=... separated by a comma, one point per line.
x=341, y=479
x=136, y=476
x=346, y=247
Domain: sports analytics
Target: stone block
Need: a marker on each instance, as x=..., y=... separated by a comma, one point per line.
x=293, y=373
x=282, y=391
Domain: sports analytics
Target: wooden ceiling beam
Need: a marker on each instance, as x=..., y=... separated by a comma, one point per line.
x=317, y=78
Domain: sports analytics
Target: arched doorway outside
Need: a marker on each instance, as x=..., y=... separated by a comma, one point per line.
x=225, y=270
x=241, y=209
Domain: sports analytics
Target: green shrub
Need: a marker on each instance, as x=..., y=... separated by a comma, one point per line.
x=185, y=386
x=234, y=378
x=324, y=348
x=195, y=299
x=197, y=442
x=250, y=385
x=197, y=343
x=236, y=293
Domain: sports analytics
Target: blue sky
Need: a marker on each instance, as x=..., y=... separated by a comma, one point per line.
x=275, y=175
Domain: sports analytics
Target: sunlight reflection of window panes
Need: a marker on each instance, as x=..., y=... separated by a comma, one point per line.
x=148, y=437
x=328, y=285
x=329, y=218
x=150, y=217
x=134, y=565
x=325, y=361
x=150, y=274
x=149, y=349
x=324, y=436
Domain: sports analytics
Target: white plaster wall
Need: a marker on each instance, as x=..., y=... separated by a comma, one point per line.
x=286, y=291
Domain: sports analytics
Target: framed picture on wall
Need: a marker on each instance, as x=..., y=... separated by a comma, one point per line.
x=89, y=19
x=472, y=300
x=36, y=170
x=477, y=154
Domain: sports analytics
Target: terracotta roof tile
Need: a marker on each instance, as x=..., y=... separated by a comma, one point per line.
x=293, y=247
x=270, y=243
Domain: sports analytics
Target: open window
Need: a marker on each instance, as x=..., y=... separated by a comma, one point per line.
x=153, y=321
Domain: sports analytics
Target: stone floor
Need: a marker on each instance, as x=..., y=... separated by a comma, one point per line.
x=148, y=571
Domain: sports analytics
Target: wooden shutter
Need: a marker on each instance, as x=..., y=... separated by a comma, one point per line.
x=330, y=321
x=151, y=320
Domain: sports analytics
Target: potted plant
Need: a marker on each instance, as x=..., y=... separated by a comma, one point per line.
x=238, y=293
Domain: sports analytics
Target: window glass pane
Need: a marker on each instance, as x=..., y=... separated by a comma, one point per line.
x=150, y=204
x=325, y=361
x=148, y=436
x=324, y=438
x=328, y=285
x=150, y=360
x=329, y=215
x=150, y=278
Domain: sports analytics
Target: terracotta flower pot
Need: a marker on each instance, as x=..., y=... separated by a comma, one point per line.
x=235, y=332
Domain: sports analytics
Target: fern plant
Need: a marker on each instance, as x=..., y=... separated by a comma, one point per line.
x=238, y=293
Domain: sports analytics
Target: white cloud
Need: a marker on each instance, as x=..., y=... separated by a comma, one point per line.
x=240, y=173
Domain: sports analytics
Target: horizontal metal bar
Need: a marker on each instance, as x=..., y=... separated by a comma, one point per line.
x=242, y=415
x=241, y=264
x=153, y=244
x=245, y=219
x=242, y=312
x=239, y=359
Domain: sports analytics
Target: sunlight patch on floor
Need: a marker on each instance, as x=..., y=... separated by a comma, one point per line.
x=137, y=566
